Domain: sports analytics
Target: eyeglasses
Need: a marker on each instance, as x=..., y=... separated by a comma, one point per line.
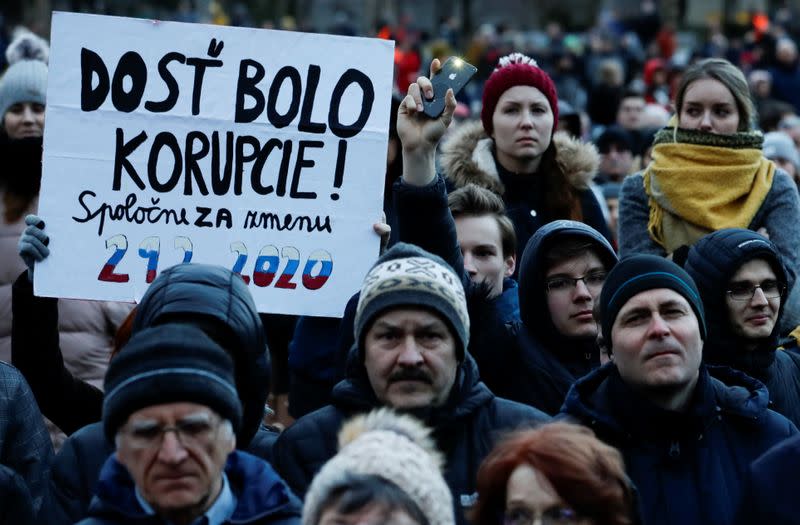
x=191, y=432
x=561, y=284
x=552, y=516
x=746, y=291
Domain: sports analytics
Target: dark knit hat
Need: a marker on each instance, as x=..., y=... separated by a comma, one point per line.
x=407, y=275
x=169, y=364
x=640, y=273
x=512, y=70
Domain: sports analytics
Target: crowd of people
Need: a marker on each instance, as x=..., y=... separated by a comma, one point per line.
x=584, y=312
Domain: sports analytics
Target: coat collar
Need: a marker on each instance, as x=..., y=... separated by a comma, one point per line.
x=468, y=157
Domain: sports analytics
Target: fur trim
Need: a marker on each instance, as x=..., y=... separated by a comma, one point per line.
x=578, y=160
x=467, y=157
x=459, y=164
x=386, y=420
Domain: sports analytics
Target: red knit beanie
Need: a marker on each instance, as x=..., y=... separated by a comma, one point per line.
x=512, y=70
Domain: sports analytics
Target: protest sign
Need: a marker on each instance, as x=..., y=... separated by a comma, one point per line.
x=263, y=151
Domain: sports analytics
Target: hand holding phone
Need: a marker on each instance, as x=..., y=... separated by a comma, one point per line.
x=455, y=74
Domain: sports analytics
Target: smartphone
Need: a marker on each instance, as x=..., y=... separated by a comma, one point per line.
x=455, y=73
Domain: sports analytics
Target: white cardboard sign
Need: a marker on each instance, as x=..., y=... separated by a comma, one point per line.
x=263, y=151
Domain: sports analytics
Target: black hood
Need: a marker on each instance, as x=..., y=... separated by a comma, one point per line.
x=218, y=301
x=532, y=268
x=712, y=262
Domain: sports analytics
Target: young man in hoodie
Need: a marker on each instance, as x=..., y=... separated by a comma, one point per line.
x=744, y=287
x=687, y=432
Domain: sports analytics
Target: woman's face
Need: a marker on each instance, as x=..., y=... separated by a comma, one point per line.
x=709, y=106
x=531, y=499
x=523, y=125
x=24, y=119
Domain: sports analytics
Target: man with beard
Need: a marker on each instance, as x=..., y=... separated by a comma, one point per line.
x=412, y=330
x=687, y=432
x=744, y=287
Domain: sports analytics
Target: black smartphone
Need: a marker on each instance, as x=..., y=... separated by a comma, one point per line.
x=455, y=73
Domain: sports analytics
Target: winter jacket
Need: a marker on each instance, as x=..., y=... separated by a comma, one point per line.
x=465, y=428
x=712, y=262
x=25, y=447
x=468, y=156
x=77, y=468
x=770, y=487
x=778, y=211
x=536, y=349
x=16, y=506
x=261, y=496
x=688, y=467
x=187, y=292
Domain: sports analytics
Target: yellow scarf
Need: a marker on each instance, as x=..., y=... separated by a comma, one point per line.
x=696, y=188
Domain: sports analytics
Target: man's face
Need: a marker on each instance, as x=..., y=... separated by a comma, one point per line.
x=616, y=161
x=178, y=472
x=482, y=248
x=629, y=114
x=755, y=317
x=656, y=341
x=410, y=357
x=570, y=303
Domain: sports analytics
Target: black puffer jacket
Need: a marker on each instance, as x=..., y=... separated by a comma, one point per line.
x=537, y=364
x=216, y=300
x=687, y=467
x=712, y=262
x=465, y=429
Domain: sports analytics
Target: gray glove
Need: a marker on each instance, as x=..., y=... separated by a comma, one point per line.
x=32, y=245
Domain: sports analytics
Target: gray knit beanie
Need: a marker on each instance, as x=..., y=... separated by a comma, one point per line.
x=395, y=447
x=407, y=275
x=25, y=80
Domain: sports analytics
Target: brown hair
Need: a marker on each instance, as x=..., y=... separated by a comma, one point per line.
x=123, y=333
x=728, y=75
x=561, y=200
x=472, y=200
x=586, y=473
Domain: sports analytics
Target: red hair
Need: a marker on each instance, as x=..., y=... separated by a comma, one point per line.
x=585, y=472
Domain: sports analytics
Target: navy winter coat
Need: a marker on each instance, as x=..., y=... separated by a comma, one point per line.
x=770, y=490
x=465, y=429
x=25, y=446
x=712, y=262
x=77, y=468
x=261, y=496
x=688, y=467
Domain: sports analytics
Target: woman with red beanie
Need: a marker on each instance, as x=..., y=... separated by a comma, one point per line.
x=514, y=150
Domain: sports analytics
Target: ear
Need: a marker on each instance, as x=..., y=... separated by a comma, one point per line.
x=511, y=265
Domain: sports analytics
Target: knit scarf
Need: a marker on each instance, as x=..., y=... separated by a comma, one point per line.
x=701, y=182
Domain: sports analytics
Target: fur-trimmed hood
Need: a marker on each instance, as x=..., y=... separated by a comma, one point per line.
x=468, y=156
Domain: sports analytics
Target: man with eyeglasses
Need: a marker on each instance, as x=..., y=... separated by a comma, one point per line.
x=172, y=409
x=687, y=432
x=744, y=286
